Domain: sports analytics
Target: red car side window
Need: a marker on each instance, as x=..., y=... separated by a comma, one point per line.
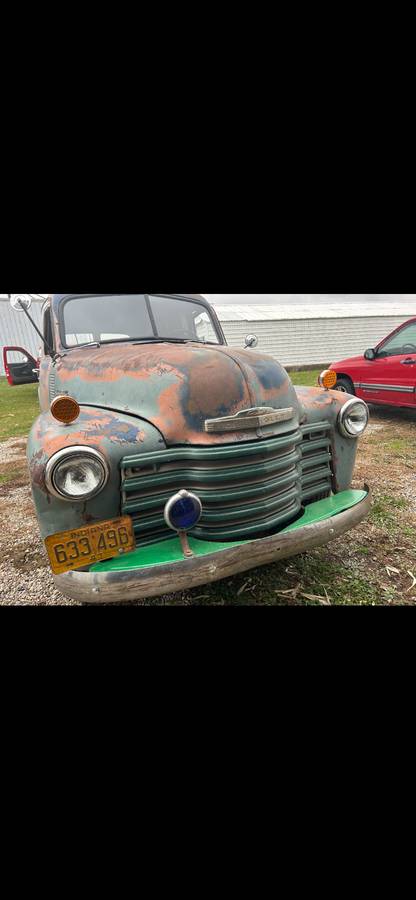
x=401, y=343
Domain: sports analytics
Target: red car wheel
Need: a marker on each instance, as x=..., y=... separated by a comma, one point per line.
x=345, y=386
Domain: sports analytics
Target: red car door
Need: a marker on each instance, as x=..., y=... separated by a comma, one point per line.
x=391, y=376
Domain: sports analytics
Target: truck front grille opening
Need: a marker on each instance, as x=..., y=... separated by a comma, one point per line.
x=247, y=490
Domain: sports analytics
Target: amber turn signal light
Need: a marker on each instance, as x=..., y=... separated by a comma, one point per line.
x=65, y=409
x=328, y=379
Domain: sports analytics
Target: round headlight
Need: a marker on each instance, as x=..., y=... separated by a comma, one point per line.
x=183, y=511
x=78, y=473
x=353, y=418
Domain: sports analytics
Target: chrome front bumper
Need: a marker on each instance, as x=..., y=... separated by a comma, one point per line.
x=154, y=581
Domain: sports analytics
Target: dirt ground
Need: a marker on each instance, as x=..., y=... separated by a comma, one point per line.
x=373, y=565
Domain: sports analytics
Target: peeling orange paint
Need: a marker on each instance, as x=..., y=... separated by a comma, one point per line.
x=179, y=386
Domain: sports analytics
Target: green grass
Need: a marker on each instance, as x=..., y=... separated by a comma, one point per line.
x=310, y=379
x=398, y=446
x=383, y=512
x=19, y=408
x=312, y=579
x=11, y=476
x=402, y=448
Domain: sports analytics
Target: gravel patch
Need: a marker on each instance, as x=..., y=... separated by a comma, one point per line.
x=13, y=450
x=25, y=576
x=34, y=588
x=371, y=429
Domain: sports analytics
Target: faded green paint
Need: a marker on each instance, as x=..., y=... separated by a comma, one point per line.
x=141, y=401
x=245, y=489
x=318, y=404
x=112, y=434
x=323, y=509
x=177, y=387
x=166, y=552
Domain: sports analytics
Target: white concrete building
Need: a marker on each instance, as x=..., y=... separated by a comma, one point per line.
x=305, y=334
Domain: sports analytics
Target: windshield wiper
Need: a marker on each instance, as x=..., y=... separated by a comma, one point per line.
x=162, y=340
x=137, y=341
x=82, y=346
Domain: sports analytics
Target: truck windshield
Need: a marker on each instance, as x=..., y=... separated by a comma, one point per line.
x=141, y=317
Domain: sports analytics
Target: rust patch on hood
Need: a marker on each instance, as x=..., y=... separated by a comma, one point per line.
x=177, y=387
x=319, y=398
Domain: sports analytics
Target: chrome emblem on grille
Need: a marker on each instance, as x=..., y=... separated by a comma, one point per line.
x=249, y=419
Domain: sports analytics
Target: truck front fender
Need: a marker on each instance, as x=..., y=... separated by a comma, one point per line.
x=114, y=434
x=320, y=405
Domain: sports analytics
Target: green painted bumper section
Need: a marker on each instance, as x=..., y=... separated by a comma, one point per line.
x=324, y=509
x=170, y=551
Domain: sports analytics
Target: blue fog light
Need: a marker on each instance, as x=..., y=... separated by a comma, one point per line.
x=183, y=511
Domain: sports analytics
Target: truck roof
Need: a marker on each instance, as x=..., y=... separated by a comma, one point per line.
x=56, y=298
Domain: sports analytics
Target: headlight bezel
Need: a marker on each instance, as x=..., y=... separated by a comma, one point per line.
x=65, y=455
x=343, y=415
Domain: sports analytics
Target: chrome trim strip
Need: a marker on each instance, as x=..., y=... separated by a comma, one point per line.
x=249, y=419
x=401, y=389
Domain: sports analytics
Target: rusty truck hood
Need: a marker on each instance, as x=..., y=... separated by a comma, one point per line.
x=177, y=387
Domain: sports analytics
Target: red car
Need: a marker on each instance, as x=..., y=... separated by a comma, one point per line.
x=386, y=375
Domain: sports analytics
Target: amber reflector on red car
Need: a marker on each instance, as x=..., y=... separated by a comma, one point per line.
x=65, y=410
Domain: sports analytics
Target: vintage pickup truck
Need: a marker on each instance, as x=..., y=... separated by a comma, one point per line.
x=163, y=459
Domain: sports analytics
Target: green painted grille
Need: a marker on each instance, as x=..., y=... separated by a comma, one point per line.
x=246, y=489
x=316, y=462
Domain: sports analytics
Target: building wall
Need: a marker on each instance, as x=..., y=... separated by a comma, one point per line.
x=16, y=330
x=308, y=341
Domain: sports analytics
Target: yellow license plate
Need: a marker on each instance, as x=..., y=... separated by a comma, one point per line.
x=74, y=549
